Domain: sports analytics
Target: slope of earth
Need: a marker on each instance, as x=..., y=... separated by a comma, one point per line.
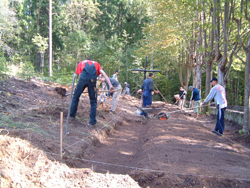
x=22, y=165
x=178, y=152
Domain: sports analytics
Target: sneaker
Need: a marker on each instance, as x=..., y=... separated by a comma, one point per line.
x=112, y=112
x=90, y=125
x=219, y=134
x=214, y=131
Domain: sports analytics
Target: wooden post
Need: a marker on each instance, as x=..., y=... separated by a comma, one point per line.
x=61, y=133
x=50, y=38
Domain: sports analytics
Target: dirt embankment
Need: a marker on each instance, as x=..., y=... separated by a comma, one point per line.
x=178, y=152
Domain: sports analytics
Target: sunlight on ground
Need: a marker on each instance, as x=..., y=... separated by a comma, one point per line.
x=197, y=142
x=13, y=70
x=126, y=153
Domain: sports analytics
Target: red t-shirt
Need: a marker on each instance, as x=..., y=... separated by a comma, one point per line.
x=81, y=66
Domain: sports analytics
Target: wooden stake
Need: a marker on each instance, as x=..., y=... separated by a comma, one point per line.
x=61, y=133
x=160, y=93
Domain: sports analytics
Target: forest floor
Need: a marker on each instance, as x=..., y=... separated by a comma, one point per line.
x=121, y=150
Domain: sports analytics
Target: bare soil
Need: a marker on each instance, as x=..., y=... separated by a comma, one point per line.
x=178, y=152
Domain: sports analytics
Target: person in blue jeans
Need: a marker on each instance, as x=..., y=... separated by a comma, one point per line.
x=218, y=93
x=89, y=71
x=147, y=89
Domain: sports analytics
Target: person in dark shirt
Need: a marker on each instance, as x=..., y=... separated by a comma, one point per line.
x=196, y=97
x=88, y=71
x=117, y=91
x=147, y=88
x=126, y=89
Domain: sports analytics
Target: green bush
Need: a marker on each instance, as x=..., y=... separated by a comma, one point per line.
x=27, y=71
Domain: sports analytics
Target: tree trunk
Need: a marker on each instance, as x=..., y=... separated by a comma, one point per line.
x=200, y=54
x=247, y=92
x=217, y=32
x=50, y=38
x=187, y=72
x=41, y=61
x=210, y=56
x=180, y=63
x=222, y=66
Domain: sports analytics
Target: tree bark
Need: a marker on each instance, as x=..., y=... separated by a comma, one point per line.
x=222, y=70
x=247, y=92
x=50, y=38
x=211, y=56
x=217, y=32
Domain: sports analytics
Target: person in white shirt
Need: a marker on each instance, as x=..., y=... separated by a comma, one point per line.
x=115, y=75
x=218, y=93
x=182, y=97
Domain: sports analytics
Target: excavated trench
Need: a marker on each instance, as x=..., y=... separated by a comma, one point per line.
x=178, y=152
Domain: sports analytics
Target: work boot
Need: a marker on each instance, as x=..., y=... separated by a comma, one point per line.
x=72, y=119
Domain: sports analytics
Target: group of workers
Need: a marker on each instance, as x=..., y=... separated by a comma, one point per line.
x=218, y=93
x=90, y=70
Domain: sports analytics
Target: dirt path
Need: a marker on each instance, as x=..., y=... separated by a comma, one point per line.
x=179, y=146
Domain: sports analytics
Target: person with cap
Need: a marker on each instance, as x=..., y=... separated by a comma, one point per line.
x=117, y=91
x=182, y=97
x=196, y=97
x=147, y=88
x=126, y=89
x=218, y=93
x=115, y=75
x=88, y=71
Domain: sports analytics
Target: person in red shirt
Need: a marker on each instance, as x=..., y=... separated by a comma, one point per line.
x=89, y=71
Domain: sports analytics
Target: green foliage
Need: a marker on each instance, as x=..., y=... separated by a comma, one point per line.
x=27, y=71
x=117, y=34
x=3, y=65
x=64, y=77
x=41, y=43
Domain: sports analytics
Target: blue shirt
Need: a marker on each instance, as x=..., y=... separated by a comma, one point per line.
x=148, y=85
x=127, y=85
x=196, y=95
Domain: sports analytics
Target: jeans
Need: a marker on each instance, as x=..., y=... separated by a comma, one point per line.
x=81, y=85
x=220, y=124
x=147, y=100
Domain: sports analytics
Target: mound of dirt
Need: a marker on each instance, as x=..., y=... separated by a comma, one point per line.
x=25, y=166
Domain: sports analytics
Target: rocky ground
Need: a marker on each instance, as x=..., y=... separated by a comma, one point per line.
x=121, y=150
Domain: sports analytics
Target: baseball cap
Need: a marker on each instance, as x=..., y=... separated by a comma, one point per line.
x=214, y=79
x=191, y=87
